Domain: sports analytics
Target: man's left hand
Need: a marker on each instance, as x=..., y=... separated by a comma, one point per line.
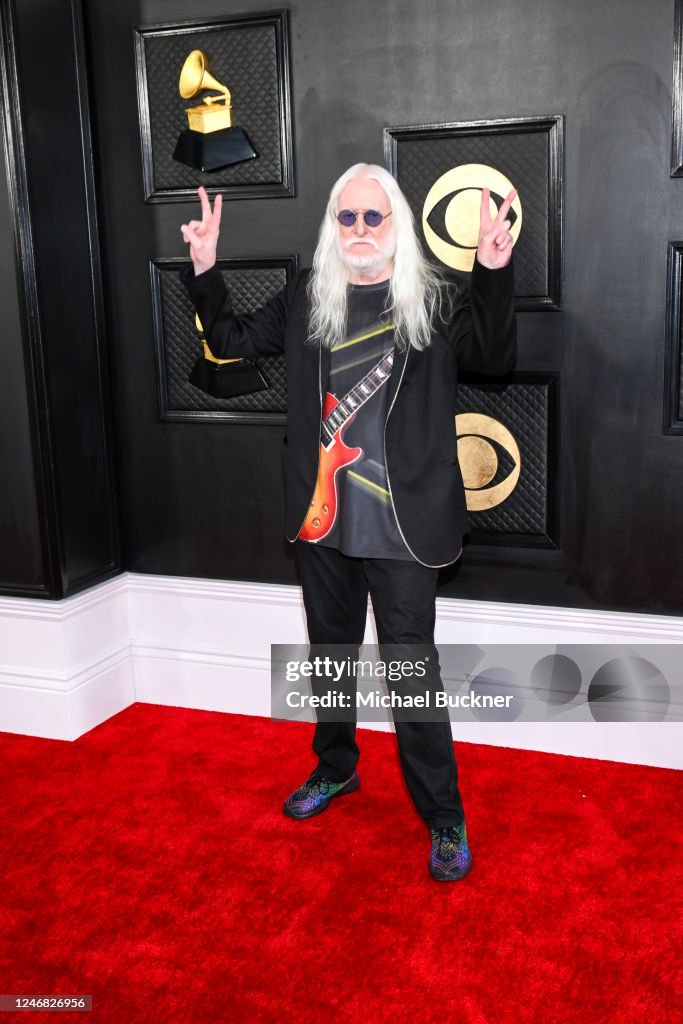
x=495, y=241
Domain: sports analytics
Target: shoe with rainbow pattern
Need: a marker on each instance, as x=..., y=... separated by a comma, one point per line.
x=315, y=794
x=450, y=858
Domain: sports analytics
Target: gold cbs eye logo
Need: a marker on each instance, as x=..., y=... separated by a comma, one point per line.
x=450, y=215
x=486, y=451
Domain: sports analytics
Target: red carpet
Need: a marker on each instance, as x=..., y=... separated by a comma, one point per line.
x=149, y=864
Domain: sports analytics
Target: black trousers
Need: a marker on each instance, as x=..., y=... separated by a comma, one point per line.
x=335, y=592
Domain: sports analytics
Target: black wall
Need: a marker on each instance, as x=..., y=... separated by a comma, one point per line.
x=62, y=468
x=20, y=542
x=206, y=499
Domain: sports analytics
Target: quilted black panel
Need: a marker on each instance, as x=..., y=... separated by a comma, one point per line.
x=251, y=283
x=251, y=61
x=523, y=156
x=526, y=409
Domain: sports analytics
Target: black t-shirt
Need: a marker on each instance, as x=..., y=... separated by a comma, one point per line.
x=365, y=525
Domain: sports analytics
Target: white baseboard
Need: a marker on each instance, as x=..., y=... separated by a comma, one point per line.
x=204, y=679
x=66, y=666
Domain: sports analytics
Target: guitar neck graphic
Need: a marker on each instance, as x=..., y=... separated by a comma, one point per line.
x=354, y=399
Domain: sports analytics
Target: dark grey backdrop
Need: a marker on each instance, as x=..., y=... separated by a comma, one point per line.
x=206, y=499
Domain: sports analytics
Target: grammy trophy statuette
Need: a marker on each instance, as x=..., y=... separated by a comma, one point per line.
x=225, y=378
x=210, y=142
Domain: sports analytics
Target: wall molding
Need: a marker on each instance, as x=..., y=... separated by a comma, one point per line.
x=609, y=627
x=68, y=665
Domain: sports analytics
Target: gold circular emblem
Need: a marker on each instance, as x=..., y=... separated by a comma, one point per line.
x=461, y=216
x=479, y=461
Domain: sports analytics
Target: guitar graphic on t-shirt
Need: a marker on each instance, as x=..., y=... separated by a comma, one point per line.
x=334, y=454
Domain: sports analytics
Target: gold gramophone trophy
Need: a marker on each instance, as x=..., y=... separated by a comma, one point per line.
x=225, y=378
x=211, y=142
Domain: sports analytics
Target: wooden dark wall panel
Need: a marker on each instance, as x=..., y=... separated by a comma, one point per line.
x=20, y=541
x=673, y=379
x=50, y=165
x=30, y=567
x=677, y=94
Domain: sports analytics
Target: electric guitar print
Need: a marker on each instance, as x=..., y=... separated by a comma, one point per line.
x=334, y=454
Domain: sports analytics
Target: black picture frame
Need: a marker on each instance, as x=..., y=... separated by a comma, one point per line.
x=673, y=361
x=677, y=95
x=411, y=151
x=174, y=356
x=263, y=106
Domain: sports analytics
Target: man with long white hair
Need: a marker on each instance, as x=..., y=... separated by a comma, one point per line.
x=374, y=337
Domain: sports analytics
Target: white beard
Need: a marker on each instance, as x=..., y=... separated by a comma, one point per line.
x=373, y=261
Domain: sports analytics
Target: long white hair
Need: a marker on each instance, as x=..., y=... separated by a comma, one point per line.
x=416, y=289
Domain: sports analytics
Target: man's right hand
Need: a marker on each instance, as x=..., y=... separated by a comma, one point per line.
x=202, y=235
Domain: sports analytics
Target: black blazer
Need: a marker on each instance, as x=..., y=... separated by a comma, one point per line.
x=419, y=435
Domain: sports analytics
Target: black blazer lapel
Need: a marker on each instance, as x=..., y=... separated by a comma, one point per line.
x=397, y=372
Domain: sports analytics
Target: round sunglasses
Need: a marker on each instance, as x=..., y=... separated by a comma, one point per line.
x=373, y=218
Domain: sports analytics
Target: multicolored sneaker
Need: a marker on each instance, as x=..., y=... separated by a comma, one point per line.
x=315, y=794
x=450, y=858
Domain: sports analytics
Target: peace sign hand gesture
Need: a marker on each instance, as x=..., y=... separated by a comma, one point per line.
x=202, y=235
x=495, y=241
